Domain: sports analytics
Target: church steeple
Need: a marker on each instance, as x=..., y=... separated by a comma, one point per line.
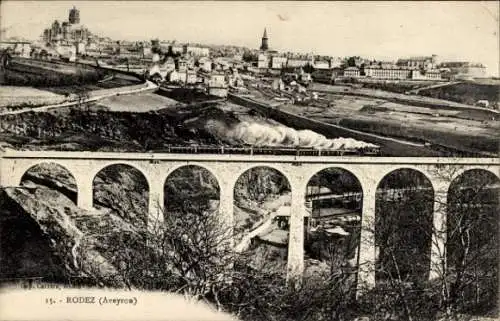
x=264, y=45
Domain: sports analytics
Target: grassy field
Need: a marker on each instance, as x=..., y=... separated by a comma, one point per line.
x=14, y=91
x=458, y=129
x=61, y=81
x=142, y=102
x=467, y=92
x=399, y=86
x=414, y=100
x=23, y=75
x=29, y=96
x=115, y=82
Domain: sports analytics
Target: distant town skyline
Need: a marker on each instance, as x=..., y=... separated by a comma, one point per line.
x=378, y=30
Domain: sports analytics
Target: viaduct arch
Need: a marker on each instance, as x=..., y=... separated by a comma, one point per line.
x=298, y=170
x=119, y=171
x=69, y=191
x=407, y=222
x=172, y=175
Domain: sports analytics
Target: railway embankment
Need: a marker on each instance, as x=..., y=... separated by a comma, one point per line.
x=392, y=140
x=389, y=145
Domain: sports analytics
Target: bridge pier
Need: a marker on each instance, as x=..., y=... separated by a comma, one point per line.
x=439, y=233
x=295, y=262
x=367, y=256
x=226, y=209
x=156, y=202
x=84, y=183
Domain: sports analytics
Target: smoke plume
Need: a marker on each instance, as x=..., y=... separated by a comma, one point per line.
x=257, y=134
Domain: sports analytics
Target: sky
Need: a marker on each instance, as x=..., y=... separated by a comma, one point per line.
x=380, y=30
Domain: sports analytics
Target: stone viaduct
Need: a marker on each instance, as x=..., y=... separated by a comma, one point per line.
x=156, y=167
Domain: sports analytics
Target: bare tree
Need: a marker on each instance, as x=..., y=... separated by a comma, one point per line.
x=465, y=257
x=186, y=252
x=469, y=262
x=189, y=252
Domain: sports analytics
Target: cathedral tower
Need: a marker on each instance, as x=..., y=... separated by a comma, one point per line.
x=74, y=16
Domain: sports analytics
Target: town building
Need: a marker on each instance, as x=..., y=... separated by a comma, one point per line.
x=387, y=71
x=186, y=77
x=432, y=74
x=157, y=70
x=189, y=77
x=173, y=77
x=233, y=78
x=67, y=51
x=352, y=72
x=222, y=63
x=146, y=51
x=336, y=62
x=176, y=49
x=217, y=85
x=322, y=64
x=190, y=62
x=205, y=64
x=394, y=72
x=195, y=51
x=326, y=76
x=298, y=62
x=169, y=64
x=425, y=62
x=181, y=65
x=18, y=48
x=217, y=79
x=262, y=61
x=278, y=62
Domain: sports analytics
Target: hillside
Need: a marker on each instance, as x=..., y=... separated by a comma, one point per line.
x=467, y=93
x=100, y=130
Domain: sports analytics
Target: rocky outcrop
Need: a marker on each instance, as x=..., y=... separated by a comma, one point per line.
x=124, y=191
x=45, y=234
x=57, y=220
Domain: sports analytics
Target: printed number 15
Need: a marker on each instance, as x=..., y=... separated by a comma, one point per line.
x=49, y=301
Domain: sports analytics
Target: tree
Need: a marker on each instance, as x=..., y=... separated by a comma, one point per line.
x=79, y=89
x=156, y=78
x=249, y=56
x=466, y=258
x=190, y=252
x=351, y=61
x=309, y=68
x=155, y=46
x=185, y=250
x=470, y=261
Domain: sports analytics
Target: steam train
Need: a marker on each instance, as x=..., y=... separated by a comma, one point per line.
x=268, y=150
